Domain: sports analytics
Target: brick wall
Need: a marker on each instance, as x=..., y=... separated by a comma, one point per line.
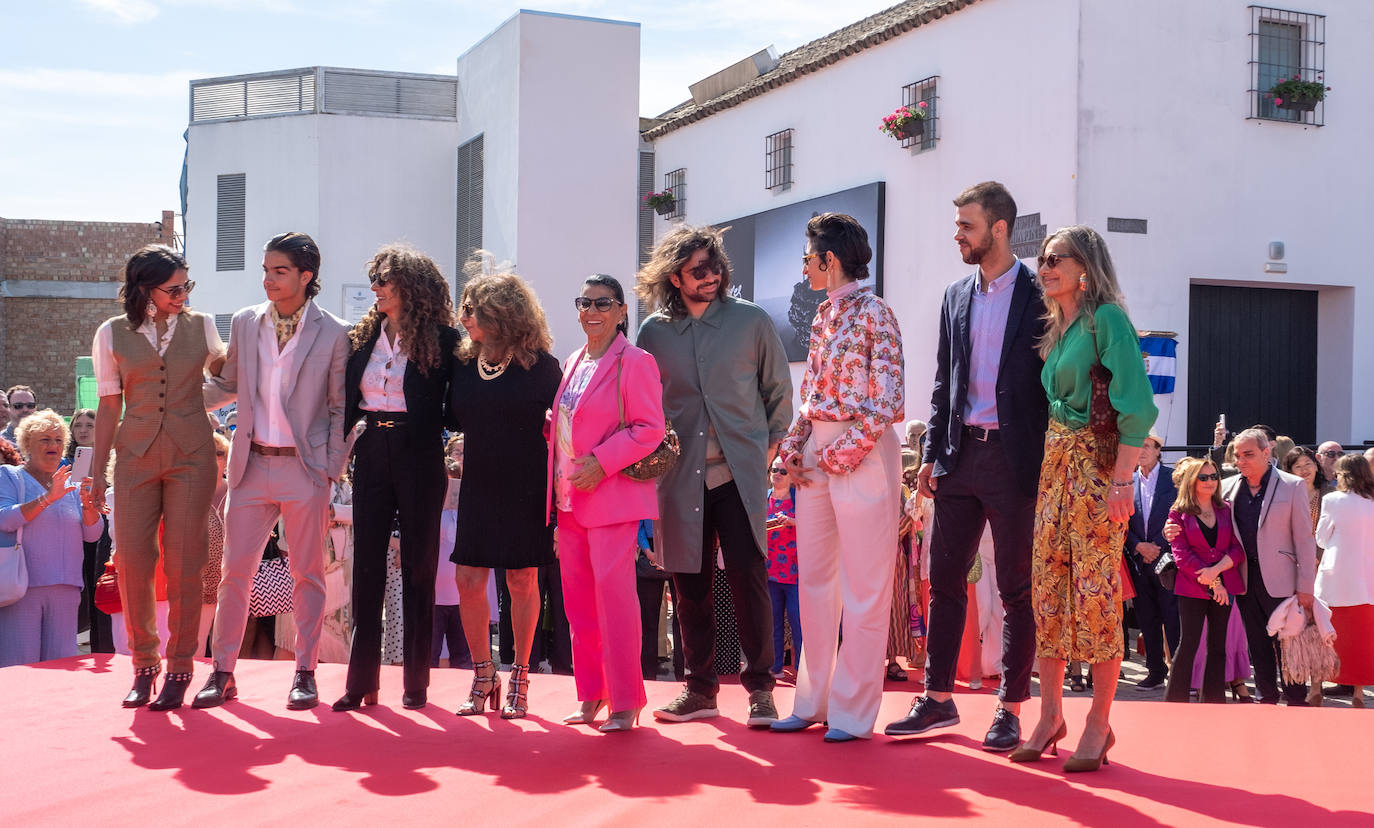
x=41, y=336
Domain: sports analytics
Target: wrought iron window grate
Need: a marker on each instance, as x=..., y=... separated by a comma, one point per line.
x=1283, y=44
x=675, y=182
x=777, y=160
x=915, y=93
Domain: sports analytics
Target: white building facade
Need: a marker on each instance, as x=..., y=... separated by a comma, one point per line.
x=1148, y=122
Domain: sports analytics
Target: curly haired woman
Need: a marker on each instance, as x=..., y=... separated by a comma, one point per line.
x=397, y=380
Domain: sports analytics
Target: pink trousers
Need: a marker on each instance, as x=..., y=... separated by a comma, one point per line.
x=598, y=565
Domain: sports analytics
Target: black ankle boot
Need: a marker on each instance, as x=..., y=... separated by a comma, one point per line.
x=173, y=692
x=145, y=679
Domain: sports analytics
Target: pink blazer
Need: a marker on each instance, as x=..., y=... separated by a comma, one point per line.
x=596, y=431
x=1192, y=553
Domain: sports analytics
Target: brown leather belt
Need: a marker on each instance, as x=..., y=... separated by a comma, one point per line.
x=272, y=451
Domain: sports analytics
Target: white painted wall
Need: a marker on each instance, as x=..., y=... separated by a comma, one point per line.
x=353, y=183
x=488, y=105
x=995, y=123
x=1164, y=135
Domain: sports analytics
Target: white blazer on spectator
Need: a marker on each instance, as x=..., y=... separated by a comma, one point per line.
x=1346, y=531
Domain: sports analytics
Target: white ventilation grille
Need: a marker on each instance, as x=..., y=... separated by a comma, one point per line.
x=325, y=90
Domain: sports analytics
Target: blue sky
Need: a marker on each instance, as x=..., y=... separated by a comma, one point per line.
x=94, y=92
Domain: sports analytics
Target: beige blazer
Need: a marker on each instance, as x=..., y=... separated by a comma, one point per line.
x=314, y=400
x=1287, y=548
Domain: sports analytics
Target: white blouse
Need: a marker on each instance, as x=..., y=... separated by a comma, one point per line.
x=107, y=382
x=1345, y=531
x=383, y=384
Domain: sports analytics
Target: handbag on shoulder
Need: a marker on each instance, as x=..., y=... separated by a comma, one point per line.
x=660, y=460
x=14, y=571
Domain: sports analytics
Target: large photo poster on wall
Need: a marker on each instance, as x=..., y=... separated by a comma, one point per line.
x=765, y=251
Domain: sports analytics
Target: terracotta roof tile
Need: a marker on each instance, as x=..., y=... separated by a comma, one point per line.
x=819, y=53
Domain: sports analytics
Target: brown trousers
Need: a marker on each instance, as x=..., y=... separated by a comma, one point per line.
x=173, y=488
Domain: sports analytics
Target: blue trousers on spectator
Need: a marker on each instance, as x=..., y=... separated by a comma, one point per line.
x=784, y=598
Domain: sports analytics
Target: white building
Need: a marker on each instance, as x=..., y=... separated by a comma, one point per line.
x=1146, y=121
x=530, y=150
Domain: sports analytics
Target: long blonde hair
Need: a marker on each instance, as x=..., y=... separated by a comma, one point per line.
x=1101, y=287
x=1185, y=478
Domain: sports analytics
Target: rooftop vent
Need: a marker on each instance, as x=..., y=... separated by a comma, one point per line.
x=733, y=77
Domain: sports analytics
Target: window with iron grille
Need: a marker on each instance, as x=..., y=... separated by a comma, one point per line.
x=471, y=159
x=914, y=94
x=777, y=160
x=675, y=182
x=230, y=217
x=1286, y=45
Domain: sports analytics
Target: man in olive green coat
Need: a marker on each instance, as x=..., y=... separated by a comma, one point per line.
x=728, y=393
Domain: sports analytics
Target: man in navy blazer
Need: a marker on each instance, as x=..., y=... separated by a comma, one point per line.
x=982, y=458
x=1156, y=608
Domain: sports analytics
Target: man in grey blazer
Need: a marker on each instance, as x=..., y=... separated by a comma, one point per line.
x=286, y=367
x=1274, y=523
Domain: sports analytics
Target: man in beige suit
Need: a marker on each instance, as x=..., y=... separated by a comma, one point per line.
x=286, y=367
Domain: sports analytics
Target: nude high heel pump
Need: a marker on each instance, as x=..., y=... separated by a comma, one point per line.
x=585, y=714
x=621, y=721
x=1029, y=754
x=1084, y=764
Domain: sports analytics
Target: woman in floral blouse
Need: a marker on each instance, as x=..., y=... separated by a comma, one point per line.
x=844, y=456
x=782, y=565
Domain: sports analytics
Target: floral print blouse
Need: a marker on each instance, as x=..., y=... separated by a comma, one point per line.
x=854, y=372
x=782, y=540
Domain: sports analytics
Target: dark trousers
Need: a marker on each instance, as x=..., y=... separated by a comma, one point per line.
x=725, y=517
x=650, y=591
x=554, y=631
x=981, y=490
x=448, y=624
x=1156, y=611
x=785, y=604
x=1192, y=613
x=93, y=566
x=394, y=482
x=1256, y=605
x=505, y=628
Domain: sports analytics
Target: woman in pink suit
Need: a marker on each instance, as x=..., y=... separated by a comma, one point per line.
x=608, y=414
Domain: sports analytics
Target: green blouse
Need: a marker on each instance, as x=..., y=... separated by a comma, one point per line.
x=1070, y=388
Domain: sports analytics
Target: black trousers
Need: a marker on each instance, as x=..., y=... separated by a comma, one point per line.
x=724, y=516
x=93, y=566
x=981, y=490
x=1256, y=605
x=552, y=635
x=1192, y=612
x=650, y=591
x=1156, y=611
x=394, y=481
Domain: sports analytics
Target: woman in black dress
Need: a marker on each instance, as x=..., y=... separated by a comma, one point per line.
x=397, y=379
x=503, y=384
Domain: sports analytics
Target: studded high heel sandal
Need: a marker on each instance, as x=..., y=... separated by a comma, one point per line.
x=145, y=681
x=516, y=701
x=486, y=689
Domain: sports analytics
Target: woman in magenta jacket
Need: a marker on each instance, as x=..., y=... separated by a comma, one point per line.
x=607, y=415
x=1211, y=569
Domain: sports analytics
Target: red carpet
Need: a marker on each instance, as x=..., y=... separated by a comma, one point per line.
x=72, y=755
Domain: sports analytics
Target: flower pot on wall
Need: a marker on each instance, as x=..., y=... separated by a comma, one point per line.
x=1303, y=105
x=914, y=129
x=665, y=208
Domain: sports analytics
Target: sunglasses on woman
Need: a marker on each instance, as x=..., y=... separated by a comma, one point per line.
x=777, y=470
x=601, y=303
x=178, y=291
x=1053, y=259
x=378, y=279
x=1204, y=478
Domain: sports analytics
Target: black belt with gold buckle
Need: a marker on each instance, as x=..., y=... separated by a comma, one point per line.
x=386, y=419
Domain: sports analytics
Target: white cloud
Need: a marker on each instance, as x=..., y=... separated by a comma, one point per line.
x=125, y=11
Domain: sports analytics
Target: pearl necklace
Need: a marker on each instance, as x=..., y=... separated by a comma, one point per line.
x=488, y=371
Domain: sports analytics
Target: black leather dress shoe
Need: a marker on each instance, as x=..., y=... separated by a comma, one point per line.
x=926, y=714
x=145, y=678
x=173, y=692
x=415, y=701
x=218, y=689
x=352, y=701
x=303, y=695
x=1005, y=733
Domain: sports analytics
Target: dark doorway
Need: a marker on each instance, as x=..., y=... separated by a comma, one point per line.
x=1252, y=355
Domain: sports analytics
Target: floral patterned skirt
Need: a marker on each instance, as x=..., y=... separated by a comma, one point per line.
x=1076, y=556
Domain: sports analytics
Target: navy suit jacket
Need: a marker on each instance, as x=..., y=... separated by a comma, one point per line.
x=1149, y=528
x=1023, y=411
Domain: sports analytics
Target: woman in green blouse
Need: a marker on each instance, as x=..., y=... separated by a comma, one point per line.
x=1085, y=494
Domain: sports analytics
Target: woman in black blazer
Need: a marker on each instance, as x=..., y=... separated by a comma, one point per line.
x=397, y=379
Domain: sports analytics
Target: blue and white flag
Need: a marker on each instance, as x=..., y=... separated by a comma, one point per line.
x=1158, y=352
